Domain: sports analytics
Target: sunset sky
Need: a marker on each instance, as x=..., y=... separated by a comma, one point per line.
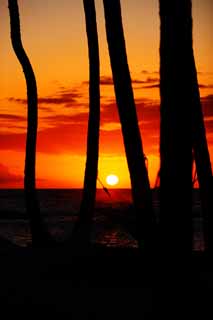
x=53, y=34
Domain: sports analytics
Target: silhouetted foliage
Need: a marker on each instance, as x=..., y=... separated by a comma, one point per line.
x=91, y=170
x=39, y=233
x=129, y=123
x=176, y=126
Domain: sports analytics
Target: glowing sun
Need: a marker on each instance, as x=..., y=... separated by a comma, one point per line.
x=112, y=180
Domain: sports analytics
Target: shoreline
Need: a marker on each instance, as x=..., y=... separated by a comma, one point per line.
x=104, y=281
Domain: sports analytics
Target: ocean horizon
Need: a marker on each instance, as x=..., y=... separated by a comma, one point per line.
x=60, y=207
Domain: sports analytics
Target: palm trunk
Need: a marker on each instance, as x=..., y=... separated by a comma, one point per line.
x=203, y=163
x=39, y=234
x=176, y=123
x=141, y=192
x=91, y=170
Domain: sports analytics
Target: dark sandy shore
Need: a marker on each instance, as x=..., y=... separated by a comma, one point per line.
x=104, y=283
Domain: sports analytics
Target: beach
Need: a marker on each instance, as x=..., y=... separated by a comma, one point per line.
x=111, y=278
x=103, y=283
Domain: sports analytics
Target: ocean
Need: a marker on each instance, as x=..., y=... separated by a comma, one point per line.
x=60, y=207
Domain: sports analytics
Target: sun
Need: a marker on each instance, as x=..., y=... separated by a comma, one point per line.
x=112, y=180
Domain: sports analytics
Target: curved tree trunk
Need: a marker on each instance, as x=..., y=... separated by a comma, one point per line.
x=83, y=226
x=39, y=234
x=141, y=192
x=176, y=126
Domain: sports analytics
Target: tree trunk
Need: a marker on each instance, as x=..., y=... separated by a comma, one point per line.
x=179, y=22
x=83, y=226
x=38, y=231
x=141, y=192
x=176, y=126
x=203, y=163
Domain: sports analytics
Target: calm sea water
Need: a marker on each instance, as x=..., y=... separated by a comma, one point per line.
x=59, y=208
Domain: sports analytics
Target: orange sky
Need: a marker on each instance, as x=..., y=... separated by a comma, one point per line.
x=55, y=40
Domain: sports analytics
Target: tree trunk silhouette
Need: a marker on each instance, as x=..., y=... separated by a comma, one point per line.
x=176, y=126
x=202, y=160
x=176, y=30
x=83, y=226
x=38, y=231
x=141, y=192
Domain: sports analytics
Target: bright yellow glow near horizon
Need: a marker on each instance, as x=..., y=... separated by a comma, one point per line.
x=112, y=180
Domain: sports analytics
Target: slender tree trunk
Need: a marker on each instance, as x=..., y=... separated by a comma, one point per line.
x=91, y=170
x=176, y=126
x=39, y=234
x=141, y=192
x=203, y=163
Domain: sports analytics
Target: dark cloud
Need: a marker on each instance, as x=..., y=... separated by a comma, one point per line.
x=10, y=121
x=205, y=86
x=47, y=109
x=208, y=98
x=204, y=73
x=145, y=72
x=152, y=86
x=11, y=117
x=68, y=133
x=149, y=72
x=146, y=81
x=108, y=81
x=152, y=80
x=47, y=100
x=207, y=103
x=157, y=85
x=104, y=81
x=63, y=97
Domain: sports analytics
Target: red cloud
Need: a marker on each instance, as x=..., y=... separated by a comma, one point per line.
x=68, y=133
